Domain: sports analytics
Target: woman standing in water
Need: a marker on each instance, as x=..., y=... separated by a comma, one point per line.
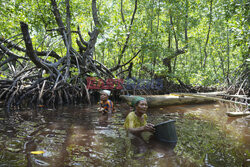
x=107, y=105
x=136, y=122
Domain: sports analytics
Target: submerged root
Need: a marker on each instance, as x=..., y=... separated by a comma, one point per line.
x=18, y=96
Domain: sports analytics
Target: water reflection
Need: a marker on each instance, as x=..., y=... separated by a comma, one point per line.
x=103, y=120
x=80, y=136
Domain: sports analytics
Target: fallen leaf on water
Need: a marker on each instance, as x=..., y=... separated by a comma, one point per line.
x=37, y=152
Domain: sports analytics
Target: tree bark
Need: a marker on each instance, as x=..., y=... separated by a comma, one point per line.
x=208, y=33
x=29, y=48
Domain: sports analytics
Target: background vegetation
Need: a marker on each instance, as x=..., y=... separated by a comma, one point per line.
x=196, y=42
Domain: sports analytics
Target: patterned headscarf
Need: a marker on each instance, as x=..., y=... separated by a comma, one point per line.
x=136, y=100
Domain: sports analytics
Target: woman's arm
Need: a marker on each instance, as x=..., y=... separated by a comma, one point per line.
x=147, y=128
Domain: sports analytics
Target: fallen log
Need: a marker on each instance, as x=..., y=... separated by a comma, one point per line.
x=212, y=94
x=212, y=98
x=236, y=114
x=166, y=100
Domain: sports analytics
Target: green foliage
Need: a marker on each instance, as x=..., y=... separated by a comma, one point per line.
x=151, y=32
x=3, y=76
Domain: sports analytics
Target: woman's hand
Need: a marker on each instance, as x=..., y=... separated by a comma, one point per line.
x=149, y=127
x=100, y=109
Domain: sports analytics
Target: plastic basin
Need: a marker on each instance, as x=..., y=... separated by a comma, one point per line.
x=166, y=132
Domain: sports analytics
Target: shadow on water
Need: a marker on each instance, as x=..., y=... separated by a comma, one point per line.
x=80, y=136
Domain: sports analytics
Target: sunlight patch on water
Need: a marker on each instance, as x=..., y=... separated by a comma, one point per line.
x=41, y=163
x=217, y=114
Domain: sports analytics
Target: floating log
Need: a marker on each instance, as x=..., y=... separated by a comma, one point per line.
x=236, y=114
x=211, y=97
x=166, y=100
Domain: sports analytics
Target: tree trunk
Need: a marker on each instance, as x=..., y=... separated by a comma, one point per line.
x=208, y=33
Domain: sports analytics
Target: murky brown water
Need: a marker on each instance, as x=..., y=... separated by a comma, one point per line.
x=80, y=136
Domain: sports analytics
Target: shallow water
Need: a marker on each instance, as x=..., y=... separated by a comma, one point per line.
x=80, y=136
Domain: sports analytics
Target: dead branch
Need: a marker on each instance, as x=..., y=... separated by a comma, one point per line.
x=29, y=48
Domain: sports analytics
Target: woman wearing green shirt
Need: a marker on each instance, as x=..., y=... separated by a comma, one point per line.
x=136, y=122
